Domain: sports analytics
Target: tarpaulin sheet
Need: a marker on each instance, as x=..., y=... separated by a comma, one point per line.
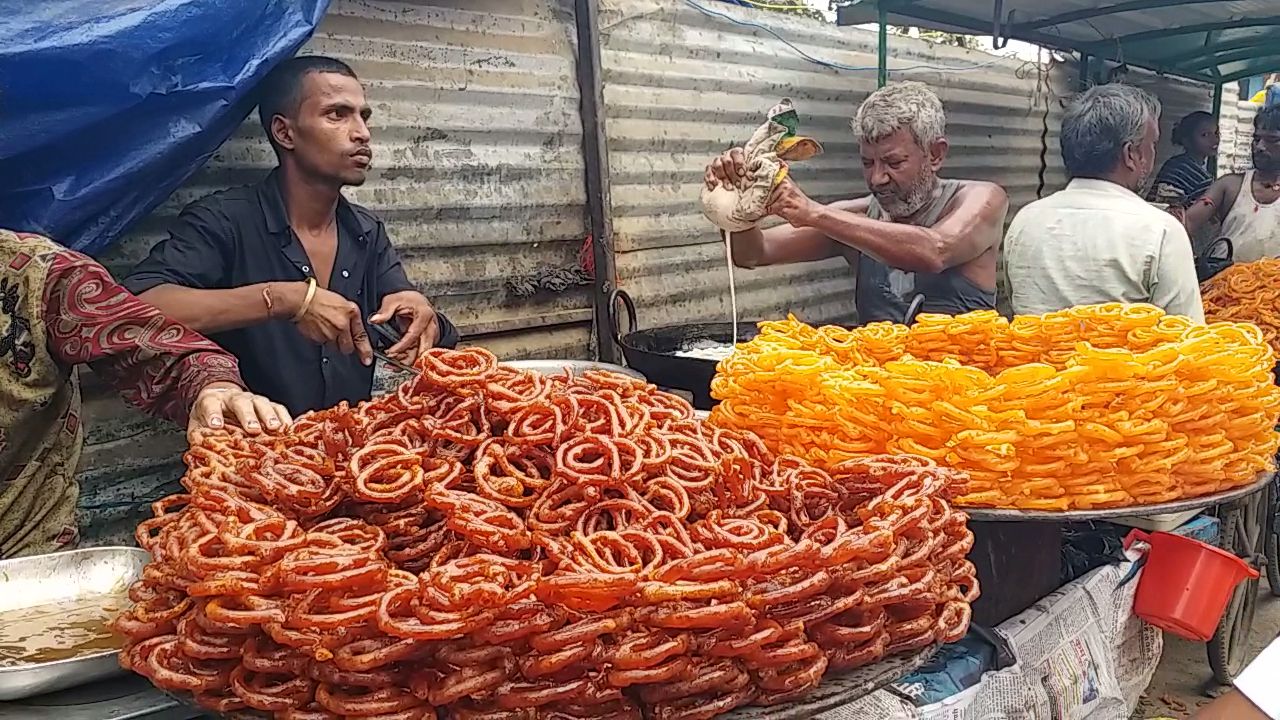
x=107, y=106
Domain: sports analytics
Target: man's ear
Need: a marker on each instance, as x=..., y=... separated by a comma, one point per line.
x=282, y=132
x=938, y=150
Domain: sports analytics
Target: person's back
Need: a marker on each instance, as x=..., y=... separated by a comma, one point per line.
x=1097, y=240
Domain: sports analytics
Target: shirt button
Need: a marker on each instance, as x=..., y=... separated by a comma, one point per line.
x=306, y=269
x=346, y=274
x=324, y=361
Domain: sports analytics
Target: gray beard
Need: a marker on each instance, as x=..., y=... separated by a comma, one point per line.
x=919, y=196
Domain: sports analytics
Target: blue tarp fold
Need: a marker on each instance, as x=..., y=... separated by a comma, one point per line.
x=107, y=106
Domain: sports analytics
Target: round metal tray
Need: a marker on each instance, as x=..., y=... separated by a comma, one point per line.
x=1174, y=506
x=835, y=690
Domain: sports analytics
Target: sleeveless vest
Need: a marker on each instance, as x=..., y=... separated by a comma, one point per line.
x=884, y=293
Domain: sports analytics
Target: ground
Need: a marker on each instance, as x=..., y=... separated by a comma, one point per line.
x=1183, y=682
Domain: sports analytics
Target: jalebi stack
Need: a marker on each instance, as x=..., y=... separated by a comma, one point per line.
x=1247, y=292
x=1093, y=407
x=489, y=543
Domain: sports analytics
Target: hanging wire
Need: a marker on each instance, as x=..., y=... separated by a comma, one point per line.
x=834, y=65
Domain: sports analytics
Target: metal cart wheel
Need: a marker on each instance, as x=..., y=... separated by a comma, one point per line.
x=1243, y=532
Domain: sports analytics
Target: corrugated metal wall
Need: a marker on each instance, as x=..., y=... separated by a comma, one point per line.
x=479, y=176
x=682, y=86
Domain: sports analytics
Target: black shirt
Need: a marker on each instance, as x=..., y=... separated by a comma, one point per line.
x=242, y=237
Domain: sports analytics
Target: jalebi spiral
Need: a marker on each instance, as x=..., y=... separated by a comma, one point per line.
x=495, y=544
x=1096, y=406
x=1248, y=292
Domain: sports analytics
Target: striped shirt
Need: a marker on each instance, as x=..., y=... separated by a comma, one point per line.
x=1181, y=180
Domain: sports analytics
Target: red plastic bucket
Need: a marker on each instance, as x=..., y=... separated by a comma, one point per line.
x=1186, y=584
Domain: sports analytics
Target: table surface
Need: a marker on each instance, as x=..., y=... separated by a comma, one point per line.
x=1204, y=501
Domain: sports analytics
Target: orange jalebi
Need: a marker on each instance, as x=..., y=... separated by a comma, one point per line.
x=1096, y=406
x=1247, y=292
x=492, y=543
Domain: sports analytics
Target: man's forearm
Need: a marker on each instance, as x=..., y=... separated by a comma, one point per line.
x=748, y=248
x=906, y=247
x=215, y=311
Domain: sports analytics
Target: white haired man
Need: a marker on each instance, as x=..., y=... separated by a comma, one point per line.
x=916, y=234
x=1097, y=240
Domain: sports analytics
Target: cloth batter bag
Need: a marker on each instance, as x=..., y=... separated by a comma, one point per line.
x=767, y=152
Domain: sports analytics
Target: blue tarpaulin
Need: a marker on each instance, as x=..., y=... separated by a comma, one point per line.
x=107, y=106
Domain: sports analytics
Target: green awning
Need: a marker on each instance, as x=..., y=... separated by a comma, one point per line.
x=1210, y=41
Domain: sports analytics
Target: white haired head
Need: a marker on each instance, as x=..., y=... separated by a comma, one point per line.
x=910, y=105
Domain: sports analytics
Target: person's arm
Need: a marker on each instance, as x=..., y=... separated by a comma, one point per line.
x=785, y=244
x=1174, y=285
x=1213, y=205
x=156, y=364
x=185, y=276
x=973, y=226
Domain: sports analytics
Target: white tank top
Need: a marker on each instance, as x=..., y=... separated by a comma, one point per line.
x=1253, y=228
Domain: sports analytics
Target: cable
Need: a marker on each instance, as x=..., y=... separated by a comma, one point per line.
x=829, y=64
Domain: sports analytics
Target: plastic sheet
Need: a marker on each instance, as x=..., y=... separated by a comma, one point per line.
x=106, y=107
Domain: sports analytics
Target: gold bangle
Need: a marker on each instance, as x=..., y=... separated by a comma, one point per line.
x=306, y=302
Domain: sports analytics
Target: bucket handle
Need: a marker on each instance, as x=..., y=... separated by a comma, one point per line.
x=913, y=309
x=630, y=306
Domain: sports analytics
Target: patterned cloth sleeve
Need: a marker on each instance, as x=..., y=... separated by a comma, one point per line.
x=156, y=364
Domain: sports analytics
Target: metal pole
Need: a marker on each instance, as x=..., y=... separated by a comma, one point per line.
x=1217, y=118
x=1084, y=71
x=595, y=154
x=882, y=53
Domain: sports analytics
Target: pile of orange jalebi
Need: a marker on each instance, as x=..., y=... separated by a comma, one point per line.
x=497, y=544
x=1248, y=292
x=1096, y=406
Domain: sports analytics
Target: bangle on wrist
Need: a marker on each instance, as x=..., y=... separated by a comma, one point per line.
x=306, y=301
x=269, y=301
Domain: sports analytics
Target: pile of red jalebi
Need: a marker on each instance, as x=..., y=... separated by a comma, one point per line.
x=496, y=544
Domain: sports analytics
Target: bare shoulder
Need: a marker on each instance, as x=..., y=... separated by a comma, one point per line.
x=981, y=192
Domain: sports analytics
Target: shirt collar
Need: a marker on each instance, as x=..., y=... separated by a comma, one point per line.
x=1103, y=186
x=272, y=201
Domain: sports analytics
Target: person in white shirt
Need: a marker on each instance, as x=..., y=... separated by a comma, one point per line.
x=1097, y=240
x=1248, y=204
x=1256, y=695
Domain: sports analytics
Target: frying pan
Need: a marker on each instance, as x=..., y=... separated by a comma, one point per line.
x=653, y=351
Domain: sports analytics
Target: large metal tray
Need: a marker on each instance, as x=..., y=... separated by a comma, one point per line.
x=1174, y=506
x=84, y=587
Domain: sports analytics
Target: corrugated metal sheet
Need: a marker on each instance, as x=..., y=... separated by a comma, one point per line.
x=682, y=86
x=479, y=177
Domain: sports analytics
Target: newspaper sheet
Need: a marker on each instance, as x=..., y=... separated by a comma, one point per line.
x=1081, y=654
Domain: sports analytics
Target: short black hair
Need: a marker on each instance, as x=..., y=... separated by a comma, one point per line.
x=1268, y=118
x=1187, y=128
x=281, y=91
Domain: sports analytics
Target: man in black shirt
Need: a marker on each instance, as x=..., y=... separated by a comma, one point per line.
x=285, y=273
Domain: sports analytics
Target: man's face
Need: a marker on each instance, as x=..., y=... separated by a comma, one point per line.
x=1266, y=150
x=1142, y=157
x=901, y=174
x=329, y=136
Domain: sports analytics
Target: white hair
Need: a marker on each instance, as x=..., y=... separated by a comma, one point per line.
x=905, y=104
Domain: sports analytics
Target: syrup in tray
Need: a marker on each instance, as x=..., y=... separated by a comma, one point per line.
x=59, y=631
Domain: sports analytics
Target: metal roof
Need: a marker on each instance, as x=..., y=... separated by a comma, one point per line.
x=1206, y=40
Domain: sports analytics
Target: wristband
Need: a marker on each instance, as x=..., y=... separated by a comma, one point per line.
x=306, y=302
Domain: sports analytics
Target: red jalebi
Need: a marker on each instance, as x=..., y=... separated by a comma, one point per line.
x=492, y=543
